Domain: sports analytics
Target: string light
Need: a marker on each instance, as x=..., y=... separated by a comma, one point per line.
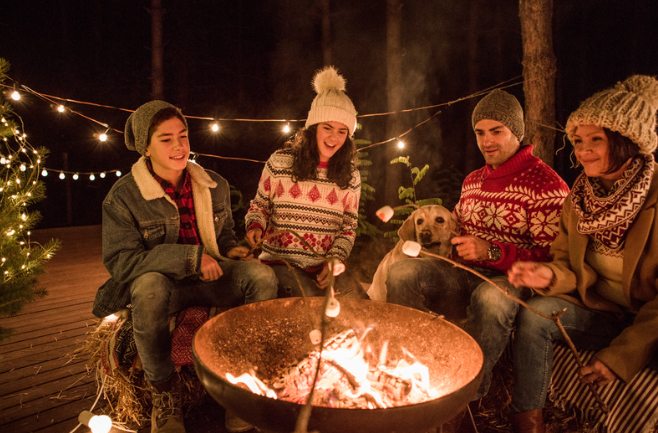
x=96, y=423
x=61, y=108
x=15, y=95
x=92, y=177
x=214, y=127
x=286, y=128
x=75, y=176
x=62, y=176
x=400, y=144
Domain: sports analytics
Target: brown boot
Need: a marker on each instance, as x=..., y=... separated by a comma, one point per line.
x=167, y=413
x=531, y=421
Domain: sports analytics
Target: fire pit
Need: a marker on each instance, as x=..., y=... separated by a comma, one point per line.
x=266, y=337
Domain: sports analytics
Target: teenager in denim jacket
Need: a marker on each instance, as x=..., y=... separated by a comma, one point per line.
x=169, y=244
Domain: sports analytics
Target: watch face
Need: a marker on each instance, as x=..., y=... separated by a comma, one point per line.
x=494, y=253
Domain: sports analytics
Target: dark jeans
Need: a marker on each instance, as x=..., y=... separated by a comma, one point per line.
x=155, y=296
x=345, y=285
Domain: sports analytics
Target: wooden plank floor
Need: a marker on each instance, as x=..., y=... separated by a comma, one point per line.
x=42, y=389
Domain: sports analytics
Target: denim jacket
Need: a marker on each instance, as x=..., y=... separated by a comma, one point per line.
x=141, y=227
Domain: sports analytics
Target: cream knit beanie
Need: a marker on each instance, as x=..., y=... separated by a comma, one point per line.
x=501, y=107
x=628, y=108
x=331, y=103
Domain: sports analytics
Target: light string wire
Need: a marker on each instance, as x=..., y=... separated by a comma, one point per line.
x=53, y=100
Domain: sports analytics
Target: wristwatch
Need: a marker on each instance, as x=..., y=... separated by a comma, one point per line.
x=494, y=253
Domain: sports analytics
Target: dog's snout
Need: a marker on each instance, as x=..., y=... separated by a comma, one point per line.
x=425, y=236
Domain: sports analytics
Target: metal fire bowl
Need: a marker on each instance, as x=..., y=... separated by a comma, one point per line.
x=267, y=336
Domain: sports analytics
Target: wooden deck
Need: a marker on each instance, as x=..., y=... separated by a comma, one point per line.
x=41, y=388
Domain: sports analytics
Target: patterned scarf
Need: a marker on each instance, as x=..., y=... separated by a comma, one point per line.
x=606, y=216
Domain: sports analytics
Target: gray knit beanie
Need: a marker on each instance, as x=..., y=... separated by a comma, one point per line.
x=628, y=108
x=137, y=125
x=501, y=107
x=331, y=103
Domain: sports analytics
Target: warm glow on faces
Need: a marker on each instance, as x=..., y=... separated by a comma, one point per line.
x=496, y=141
x=591, y=148
x=169, y=149
x=330, y=137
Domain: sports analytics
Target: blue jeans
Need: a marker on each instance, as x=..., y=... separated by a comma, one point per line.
x=533, y=345
x=490, y=321
x=345, y=285
x=432, y=284
x=155, y=296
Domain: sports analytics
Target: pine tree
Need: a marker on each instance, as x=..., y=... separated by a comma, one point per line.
x=21, y=261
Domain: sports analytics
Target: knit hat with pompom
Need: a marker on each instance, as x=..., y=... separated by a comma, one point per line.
x=628, y=108
x=331, y=103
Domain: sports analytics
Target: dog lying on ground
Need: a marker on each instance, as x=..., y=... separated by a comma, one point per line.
x=432, y=227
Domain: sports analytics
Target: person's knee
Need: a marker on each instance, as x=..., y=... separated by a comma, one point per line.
x=264, y=280
x=401, y=272
x=150, y=286
x=489, y=300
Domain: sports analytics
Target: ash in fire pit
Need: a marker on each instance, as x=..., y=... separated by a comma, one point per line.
x=351, y=376
x=265, y=337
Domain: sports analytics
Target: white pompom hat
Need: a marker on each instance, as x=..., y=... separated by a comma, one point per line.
x=331, y=103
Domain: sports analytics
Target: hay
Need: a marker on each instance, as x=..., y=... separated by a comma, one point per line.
x=127, y=398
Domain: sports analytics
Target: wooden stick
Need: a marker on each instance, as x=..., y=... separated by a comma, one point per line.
x=555, y=317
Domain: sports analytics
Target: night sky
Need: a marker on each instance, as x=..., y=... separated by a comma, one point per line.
x=255, y=60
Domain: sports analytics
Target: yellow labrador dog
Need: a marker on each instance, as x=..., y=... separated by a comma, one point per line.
x=432, y=227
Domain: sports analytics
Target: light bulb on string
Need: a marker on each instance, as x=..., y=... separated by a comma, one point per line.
x=60, y=108
x=286, y=128
x=214, y=127
x=62, y=176
x=75, y=176
x=400, y=144
x=103, y=137
x=103, y=175
x=92, y=177
x=44, y=173
x=96, y=423
x=15, y=95
x=118, y=173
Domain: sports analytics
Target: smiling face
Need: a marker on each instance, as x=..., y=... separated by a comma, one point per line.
x=496, y=141
x=169, y=149
x=592, y=150
x=330, y=137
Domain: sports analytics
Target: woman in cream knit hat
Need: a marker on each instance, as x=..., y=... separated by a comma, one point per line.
x=605, y=259
x=311, y=187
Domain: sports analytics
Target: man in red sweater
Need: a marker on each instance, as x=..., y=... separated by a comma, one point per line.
x=508, y=211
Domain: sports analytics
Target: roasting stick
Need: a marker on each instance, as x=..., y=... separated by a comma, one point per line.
x=555, y=317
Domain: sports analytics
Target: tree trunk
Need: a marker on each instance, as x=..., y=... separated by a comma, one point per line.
x=157, y=68
x=326, y=32
x=394, y=97
x=539, y=69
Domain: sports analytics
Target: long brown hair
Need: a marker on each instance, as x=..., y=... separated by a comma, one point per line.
x=621, y=150
x=306, y=158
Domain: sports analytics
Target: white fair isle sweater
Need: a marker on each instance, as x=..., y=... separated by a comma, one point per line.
x=324, y=215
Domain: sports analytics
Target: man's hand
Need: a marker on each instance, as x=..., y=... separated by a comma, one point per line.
x=254, y=236
x=210, y=270
x=323, y=278
x=240, y=253
x=597, y=373
x=530, y=274
x=471, y=248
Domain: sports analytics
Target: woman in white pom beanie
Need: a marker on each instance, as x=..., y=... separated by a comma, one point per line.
x=604, y=272
x=311, y=187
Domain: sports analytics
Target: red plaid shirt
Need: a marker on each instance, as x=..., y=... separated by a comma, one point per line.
x=184, y=199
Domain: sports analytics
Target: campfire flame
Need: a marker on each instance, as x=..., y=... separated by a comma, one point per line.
x=351, y=376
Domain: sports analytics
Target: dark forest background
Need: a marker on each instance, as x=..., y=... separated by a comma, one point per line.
x=255, y=59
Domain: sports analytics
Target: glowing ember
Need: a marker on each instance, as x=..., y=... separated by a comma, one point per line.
x=350, y=376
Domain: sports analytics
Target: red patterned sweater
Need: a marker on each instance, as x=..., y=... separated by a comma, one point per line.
x=318, y=210
x=516, y=206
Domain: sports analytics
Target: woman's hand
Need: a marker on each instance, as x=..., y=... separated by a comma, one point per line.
x=210, y=270
x=530, y=274
x=597, y=373
x=322, y=280
x=471, y=248
x=254, y=236
x=240, y=253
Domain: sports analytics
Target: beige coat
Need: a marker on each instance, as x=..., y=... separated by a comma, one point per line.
x=637, y=344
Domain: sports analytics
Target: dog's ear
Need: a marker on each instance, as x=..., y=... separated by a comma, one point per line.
x=408, y=230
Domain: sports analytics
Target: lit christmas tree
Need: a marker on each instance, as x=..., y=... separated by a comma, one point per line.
x=21, y=261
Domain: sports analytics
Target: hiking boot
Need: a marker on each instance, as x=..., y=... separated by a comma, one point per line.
x=167, y=413
x=233, y=424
